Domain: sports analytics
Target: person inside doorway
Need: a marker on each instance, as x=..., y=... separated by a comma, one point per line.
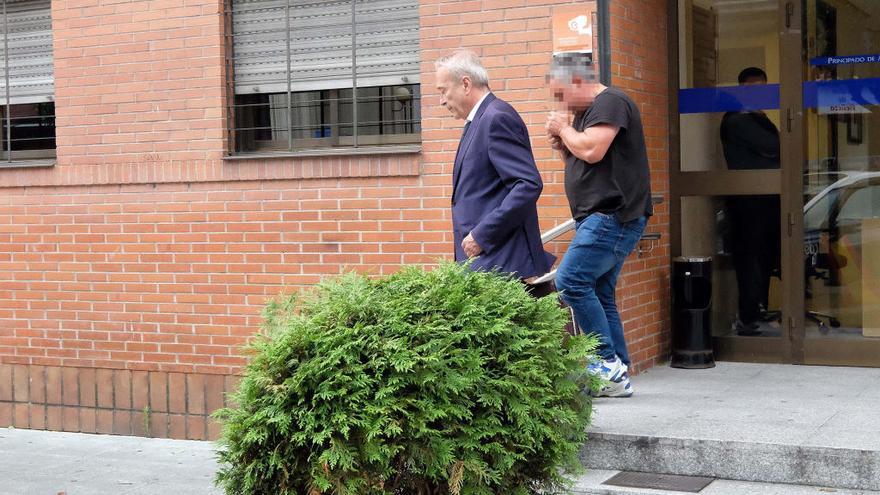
x=751, y=141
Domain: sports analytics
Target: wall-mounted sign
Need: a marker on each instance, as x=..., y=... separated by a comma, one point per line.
x=845, y=96
x=574, y=28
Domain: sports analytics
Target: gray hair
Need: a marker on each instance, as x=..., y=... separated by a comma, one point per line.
x=464, y=63
x=567, y=66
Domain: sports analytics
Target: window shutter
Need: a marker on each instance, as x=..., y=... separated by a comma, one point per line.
x=320, y=44
x=388, y=42
x=31, y=70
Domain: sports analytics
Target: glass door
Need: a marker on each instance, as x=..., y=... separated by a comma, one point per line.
x=841, y=183
x=729, y=200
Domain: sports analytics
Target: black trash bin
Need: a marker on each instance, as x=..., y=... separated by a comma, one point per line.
x=691, y=313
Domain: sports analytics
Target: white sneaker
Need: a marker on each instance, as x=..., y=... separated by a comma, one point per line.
x=614, y=372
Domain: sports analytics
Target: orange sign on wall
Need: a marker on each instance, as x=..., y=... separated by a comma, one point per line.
x=574, y=29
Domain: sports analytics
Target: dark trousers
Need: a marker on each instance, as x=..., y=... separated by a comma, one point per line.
x=540, y=290
x=755, y=245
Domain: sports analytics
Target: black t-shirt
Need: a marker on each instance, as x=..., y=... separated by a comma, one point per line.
x=620, y=183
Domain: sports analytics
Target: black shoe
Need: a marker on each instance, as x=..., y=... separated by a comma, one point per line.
x=747, y=329
x=768, y=316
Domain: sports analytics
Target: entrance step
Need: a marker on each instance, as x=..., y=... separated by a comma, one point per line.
x=593, y=483
x=762, y=423
x=748, y=461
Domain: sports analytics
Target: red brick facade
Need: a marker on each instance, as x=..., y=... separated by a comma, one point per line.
x=144, y=251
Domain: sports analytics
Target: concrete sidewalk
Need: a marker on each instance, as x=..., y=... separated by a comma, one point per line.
x=816, y=406
x=758, y=423
x=51, y=463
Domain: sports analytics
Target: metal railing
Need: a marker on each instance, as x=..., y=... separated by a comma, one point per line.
x=569, y=225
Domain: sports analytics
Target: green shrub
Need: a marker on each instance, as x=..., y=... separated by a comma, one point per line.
x=446, y=381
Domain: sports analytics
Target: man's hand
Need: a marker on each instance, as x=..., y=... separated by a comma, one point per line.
x=556, y=122
x=470, y=246
x=554, y=141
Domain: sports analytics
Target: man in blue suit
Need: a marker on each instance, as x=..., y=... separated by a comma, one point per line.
x=495, y=183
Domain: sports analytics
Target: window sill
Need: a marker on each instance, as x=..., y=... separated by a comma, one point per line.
x=319, y=152
x=16, y=164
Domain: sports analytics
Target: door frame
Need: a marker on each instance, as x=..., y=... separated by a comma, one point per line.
x=822, y=350
x=793, y=347
x=786, y=182
x=792, y=142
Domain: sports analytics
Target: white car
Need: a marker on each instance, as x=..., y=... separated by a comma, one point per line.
x=833, y=223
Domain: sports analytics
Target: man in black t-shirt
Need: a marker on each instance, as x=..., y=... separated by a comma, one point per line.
x=607, y=183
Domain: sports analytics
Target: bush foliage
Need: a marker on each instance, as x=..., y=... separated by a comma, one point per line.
x=419, y=383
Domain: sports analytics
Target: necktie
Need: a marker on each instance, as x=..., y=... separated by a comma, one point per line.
x=461, y=140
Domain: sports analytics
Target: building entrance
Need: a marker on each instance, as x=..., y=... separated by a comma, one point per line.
x=777, y=174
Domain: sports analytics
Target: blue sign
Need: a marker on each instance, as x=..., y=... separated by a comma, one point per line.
x=728, y=98
x=841, y=95
x=845, y=59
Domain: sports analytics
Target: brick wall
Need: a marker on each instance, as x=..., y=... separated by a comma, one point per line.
x=143, y=253
x=640, y=66
x=120, y=402
x=514, y=42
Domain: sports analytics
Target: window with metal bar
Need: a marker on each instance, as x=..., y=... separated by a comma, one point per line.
x=309, y=74
x=27, y=83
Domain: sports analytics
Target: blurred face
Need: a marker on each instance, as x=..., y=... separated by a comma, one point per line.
x=455, y=96
x=576, y=95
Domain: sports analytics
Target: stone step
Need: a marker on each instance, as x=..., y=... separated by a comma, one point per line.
x=592, y=483
x=801, y=425
x=818, y=466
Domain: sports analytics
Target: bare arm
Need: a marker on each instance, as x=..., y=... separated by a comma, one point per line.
x=590, y=145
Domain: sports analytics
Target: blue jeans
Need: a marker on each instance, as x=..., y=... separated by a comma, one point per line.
x=587, y=277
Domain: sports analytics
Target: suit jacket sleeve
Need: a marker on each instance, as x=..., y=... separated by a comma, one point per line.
x=511, y=155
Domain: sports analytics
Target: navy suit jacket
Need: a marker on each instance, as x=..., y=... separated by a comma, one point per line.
x=495, y=188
